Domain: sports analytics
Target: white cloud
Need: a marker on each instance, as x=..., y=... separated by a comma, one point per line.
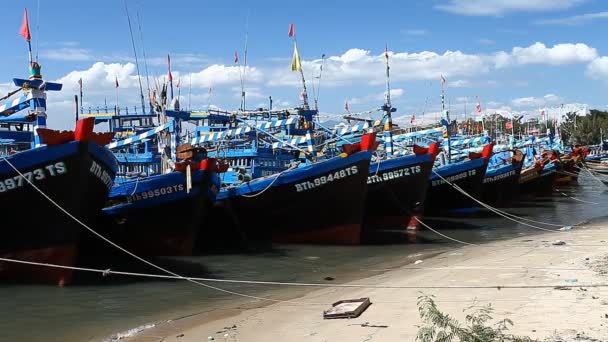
x=67, y=54
x=531, y=101
x=415, y=32
x=358, y=65
x=501, y=7
x=539, y=53
x=377, y=98
x=178, y=60
x=219, y=74
x=100, y=78
x=460, y=84
x=598, y=68
x=574, y=20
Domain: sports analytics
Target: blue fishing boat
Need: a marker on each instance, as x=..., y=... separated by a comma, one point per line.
x=166, y=188
x=501, y=180
x=44, y=171
x=280, y=207
x=161, y=215
x=539, y=171
x=456, y=169
x=467, y=174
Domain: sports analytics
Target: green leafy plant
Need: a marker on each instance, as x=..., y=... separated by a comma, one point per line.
x=478, y=327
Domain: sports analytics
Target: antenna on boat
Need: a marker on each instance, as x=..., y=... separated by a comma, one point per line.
x=169, y=76
x=37, y=27
x=447, y=117
x=141, y=91
x=143, y=48
x=315, y=93
x=243, y=70
x=190, y=92
x=388, y=108
x=296, y=65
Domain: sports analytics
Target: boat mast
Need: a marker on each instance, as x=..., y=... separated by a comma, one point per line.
x=296, y=65
x=447, y=117
x=141, y=90
x=387, y=107
x=143, y=48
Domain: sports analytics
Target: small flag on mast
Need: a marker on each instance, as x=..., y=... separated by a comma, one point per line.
x=295, y=61
x=116, y=81
x=442, y=79
x=236, y=57
x=169, y=69
x=292, y=30
x=25, y=27
x=346, y=106
x=413, y=118
x=80, y=83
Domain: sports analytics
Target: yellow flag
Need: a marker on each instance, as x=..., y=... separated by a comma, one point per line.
x=295, y=61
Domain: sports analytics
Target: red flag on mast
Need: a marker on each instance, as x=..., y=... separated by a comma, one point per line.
x=25, y=27
x=292, y=30
x=169, y=68
x=236, y=57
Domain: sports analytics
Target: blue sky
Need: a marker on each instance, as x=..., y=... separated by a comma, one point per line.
x=514, y=55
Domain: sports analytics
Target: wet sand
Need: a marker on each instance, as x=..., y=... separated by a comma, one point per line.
x=537, y=312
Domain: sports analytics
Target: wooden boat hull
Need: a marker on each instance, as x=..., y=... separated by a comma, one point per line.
x=395, y=189
x=321, y=203
x=538, y=180
x=442, y=197
x=77, y=176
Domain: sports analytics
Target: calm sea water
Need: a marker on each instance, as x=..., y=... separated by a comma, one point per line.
x=97, y=307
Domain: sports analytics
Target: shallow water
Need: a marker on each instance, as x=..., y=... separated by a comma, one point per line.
x=98, y=307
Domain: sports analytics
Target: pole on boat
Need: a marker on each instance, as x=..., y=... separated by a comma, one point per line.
x=388, y=109
x=116, y=86
x=141, y=90
x=169, y=76
x=76, y=103
x=25, y=32
x=296, y=65
x=447, y=117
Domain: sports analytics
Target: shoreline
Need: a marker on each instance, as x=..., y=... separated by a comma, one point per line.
x=526, y=260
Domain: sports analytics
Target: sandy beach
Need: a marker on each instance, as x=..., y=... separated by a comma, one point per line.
x=544, y=307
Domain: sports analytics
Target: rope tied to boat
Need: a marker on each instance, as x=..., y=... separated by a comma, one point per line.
x=271, y=183
x=113, y=244
x=326, y=285
x=496, y=211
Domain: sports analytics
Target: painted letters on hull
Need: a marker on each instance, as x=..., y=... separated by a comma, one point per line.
x=45, y=233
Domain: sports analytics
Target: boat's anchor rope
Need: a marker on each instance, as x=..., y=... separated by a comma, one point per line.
x=132, y=254
x=574, y=198
x=326, y=285
x=591, y=173
x=497, y=211
x=271, y=183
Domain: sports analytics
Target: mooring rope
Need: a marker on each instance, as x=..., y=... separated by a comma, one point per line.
x=301, y=284
x=459, y=189
x=574, y=198
x=136, y=256
x=271, y=183
x=443, y=235
x=592, y=175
